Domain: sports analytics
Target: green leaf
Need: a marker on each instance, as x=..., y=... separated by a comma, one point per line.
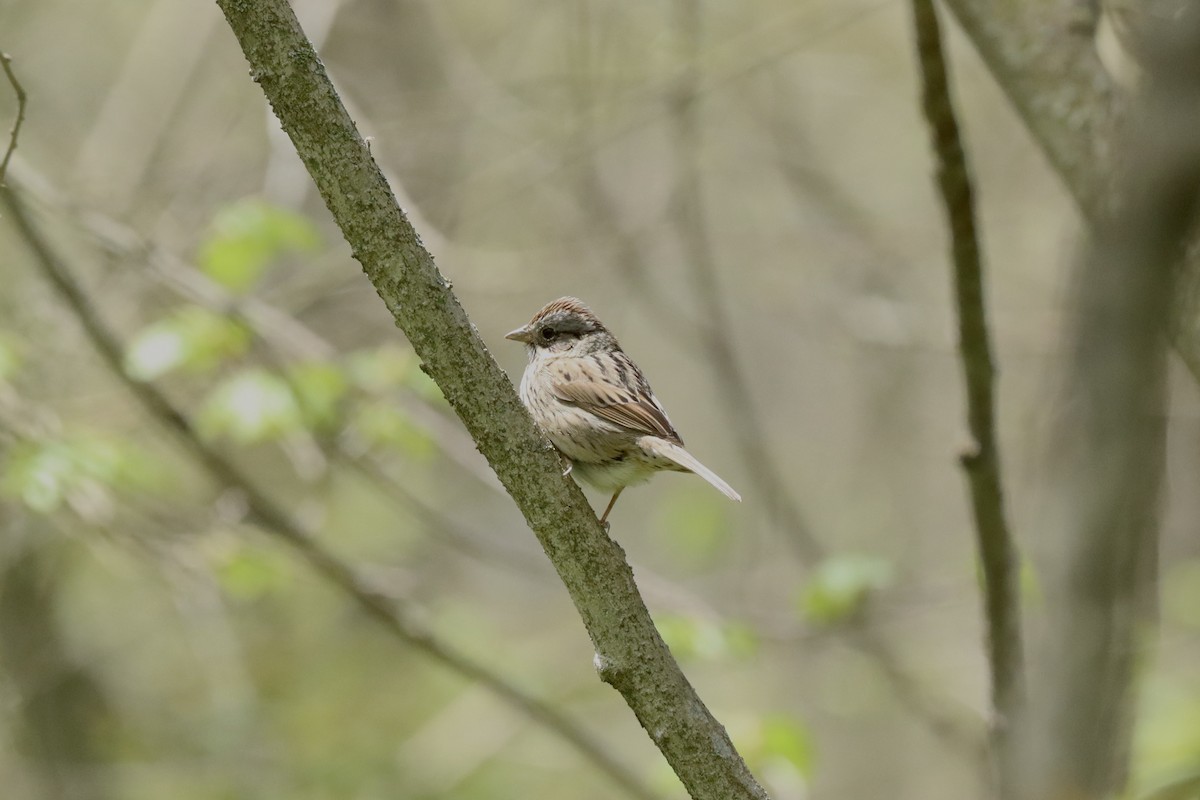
x=741, y=641
x=382, y=368
x=38, y=474
x=43, y=474
x=320, y=389
x=787, y=739
x=155, y=351
x=1181, y=593
x=679, y=633
x=249, y=573
x=1167, y=736
x=10, y=357
x=252, y=406
x=695, y=520
x=1027, y=582
x=691, y=638
x=1185, y=786
x=1030, y=586
x=841, y=585
x=192, y=337
x=383, y=423
x=423, y=386
x=247, y=236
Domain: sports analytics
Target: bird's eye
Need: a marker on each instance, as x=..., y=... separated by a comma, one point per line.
x=549, y=334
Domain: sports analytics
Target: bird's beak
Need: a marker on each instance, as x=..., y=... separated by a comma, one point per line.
x=522, y=334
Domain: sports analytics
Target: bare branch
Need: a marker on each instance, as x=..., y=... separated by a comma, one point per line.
x=630, y=654
x=1042, y=54
x=733, y=390
x=997, y=551
x=1111, y=439
x=6, y=64
x=274, y=519
x=717, y=331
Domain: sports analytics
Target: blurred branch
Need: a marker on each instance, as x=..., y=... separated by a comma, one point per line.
x=19, y=90
x=391, y=487
x=716, y=331
x=997, y=551
x=733, y=387
x=767, y=47
x=133, y=117
x=400, y=621
x=63, y=713
x=1042, y=54
x=281, y=333
x=630, y=654
x=627, y=257
x=812, y=185
x=278, y=328
x=286, y=337
x=1111, y=438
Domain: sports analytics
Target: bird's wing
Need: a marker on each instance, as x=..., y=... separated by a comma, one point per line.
x=611, y=386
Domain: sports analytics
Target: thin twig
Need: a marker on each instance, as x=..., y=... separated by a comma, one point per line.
x=6, y=64
x=277, y=521
x=981, y=462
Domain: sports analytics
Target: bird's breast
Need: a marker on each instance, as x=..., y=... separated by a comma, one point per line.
x=578, y=434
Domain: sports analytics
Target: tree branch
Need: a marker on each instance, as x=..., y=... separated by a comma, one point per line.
x=715, y=335
x=277, y=521
x=19, y=90
x=1042, y=55
x=997, y=551
x=1111, y=439
x=1112, y=444
x=717, y=331
x=630, y=654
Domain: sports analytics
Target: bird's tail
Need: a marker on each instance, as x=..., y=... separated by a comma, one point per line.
x=688, y=461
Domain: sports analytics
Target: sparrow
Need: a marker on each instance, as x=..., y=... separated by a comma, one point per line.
x=596, y=406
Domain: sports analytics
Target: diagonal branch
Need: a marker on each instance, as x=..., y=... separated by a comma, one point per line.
x=630, y=654
x=998, y=553
x=277, y=521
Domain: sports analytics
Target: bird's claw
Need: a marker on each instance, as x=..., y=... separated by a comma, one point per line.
x=570, y=466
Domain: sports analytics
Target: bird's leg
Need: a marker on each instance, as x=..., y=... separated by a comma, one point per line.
x=608, y=508
x=570, y=466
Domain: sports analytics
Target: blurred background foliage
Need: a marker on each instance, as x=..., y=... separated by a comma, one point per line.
x=153, y=642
